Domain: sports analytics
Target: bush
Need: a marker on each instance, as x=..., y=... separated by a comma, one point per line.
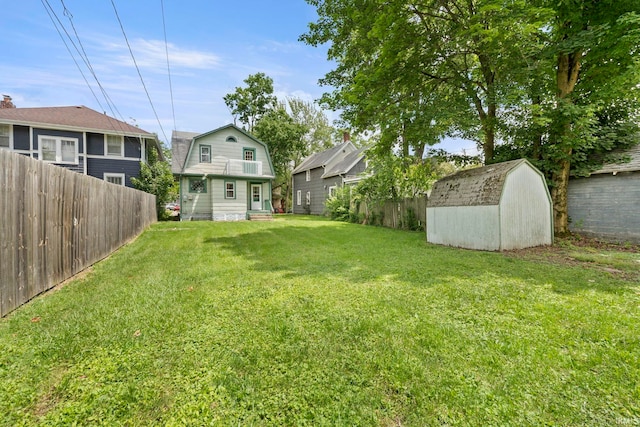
x=338, y=207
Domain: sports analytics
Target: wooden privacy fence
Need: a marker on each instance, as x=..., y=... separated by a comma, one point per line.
x=54, y=223
x=408, y=214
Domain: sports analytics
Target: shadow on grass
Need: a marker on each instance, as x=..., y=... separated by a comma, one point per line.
x=325, y=251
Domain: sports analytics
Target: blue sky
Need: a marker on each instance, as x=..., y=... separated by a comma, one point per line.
x=213, y=46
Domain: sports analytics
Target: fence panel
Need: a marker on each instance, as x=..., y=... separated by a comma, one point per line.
x=406, y=214
x=55, y=223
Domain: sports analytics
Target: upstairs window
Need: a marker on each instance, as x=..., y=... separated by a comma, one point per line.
x=58, y=149
x=205, y=154
x=249, y=154
x=308, y=198
x=114, y=146
x=308, y=176
x=5, y=136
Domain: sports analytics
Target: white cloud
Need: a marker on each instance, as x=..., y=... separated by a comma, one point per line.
x=152, y=54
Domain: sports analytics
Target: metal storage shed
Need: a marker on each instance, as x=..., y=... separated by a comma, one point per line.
x=497, y=207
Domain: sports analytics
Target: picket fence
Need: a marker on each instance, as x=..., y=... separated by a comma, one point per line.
x=55, y=223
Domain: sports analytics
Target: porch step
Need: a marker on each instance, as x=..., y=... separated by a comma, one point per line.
x=260, y=217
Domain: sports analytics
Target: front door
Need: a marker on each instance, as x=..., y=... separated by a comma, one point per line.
x=256, y=197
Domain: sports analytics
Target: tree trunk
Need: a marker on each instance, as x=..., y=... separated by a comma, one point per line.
x=566, y=78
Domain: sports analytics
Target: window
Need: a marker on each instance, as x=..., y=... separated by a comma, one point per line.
x=308, y=176
x=231, y=139
x=114, y=178
x=114, y=145
x=332, y=191
x=249, y=154
x=205, y=154
x=197, y=185
x=5, y=136
x=308, y=198
x=58, y=149
x=299, y=197
x=229, y=189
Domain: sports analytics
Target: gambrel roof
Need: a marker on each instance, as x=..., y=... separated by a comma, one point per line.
x=473, y=187
x=322, y=158
x=182, y=143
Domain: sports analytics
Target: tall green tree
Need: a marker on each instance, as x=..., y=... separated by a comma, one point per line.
x=285, y=139
x=248, y=104
x=156, y=178
x=319, y=131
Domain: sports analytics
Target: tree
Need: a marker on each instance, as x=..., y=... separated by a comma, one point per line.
x=285, y=139
x=249, y=104
x=156, y=178
x=319, y=131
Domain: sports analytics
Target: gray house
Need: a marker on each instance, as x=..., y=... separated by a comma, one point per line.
x=79, y=139
x=607, y=203
x=496, y=207
x=311, y=186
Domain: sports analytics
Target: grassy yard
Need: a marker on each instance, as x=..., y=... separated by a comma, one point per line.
x=303, y=321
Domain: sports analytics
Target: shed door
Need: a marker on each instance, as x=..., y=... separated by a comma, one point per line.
x=256, y=197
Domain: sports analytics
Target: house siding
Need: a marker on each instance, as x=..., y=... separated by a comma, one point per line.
x=229, y=209
x=195, y=205
x=97, y=167
x=221, y=151
x=315, y=186
x=61, y=133
x=95, y=144
x=606, y=206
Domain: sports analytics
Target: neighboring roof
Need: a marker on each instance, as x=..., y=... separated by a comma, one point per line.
x=76, y=117
x=320, y=159
x=473, y=187
x=631, y=166
x=180, y=143
x=346, y=164
x=184, y=141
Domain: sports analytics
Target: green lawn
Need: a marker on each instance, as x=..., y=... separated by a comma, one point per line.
x=303, y=321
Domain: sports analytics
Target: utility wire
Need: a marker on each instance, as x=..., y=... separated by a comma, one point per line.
x=45, y=3
x=112, y=106
x=166, y=49
x=138, y=69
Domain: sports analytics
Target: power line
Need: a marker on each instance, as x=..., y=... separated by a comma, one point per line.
x=166, y=49
x=85, y=57
x=68, y=49
x=138, y=69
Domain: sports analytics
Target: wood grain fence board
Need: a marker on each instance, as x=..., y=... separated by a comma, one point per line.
x=56, y=222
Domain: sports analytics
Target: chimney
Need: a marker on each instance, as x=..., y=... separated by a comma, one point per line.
x=346, y=137
x=6, y=102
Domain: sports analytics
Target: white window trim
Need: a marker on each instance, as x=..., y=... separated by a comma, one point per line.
x=106, y=146
x=10, y=147
x=114, y=175
x=308, y=176
x=207, y=147
x=58, y=140
x=308, y=200
x=299, y=197
x=333, y=189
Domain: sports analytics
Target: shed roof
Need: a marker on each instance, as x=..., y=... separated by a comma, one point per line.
x=473, y=187
x=631, y=166
x=346, y=164
x=320, y=159
x=78, y=117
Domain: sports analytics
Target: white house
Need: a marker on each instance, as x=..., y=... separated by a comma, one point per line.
x=496, y=207
x=224, y=175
